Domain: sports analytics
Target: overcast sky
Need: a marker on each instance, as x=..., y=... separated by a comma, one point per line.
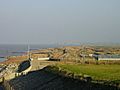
x=56, y=21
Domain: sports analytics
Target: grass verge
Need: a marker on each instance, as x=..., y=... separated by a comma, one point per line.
x=106, y=73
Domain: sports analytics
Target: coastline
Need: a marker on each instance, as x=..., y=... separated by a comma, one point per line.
x=13, y=59
x=66, y=55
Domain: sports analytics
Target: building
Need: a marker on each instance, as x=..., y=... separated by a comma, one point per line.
x=40, y=56
x=108, y=57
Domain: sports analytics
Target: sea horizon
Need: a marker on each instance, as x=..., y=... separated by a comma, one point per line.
x=18, y=49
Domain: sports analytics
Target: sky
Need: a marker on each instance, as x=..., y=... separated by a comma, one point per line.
x=58, y=21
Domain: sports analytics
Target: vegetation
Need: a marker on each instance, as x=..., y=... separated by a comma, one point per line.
x=107, y=73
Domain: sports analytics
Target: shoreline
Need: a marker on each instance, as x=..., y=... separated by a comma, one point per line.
x=14, y=59
x=65, y=54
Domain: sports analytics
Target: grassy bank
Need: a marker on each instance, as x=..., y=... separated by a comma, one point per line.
x=109, y=73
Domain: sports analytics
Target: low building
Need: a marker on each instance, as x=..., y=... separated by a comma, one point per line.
x=108, y=57
x=47, y=58
x=39, y=56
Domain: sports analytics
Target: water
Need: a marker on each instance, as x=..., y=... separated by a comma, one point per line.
x=15, y=50
x=2, y=59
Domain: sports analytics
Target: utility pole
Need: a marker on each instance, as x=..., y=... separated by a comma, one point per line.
x=29, y=57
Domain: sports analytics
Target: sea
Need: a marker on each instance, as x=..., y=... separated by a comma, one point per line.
x=16, y=50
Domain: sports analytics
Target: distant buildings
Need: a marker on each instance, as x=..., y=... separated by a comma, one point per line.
x=106, y=57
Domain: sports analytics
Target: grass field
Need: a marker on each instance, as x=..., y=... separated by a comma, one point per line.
x=97, y=72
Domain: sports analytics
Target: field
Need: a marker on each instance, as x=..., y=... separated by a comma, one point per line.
x=109, y=73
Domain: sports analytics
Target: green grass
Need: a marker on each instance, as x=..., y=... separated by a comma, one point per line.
x=97, y=72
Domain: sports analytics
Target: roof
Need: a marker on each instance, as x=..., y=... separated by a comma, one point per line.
x=108, y=56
